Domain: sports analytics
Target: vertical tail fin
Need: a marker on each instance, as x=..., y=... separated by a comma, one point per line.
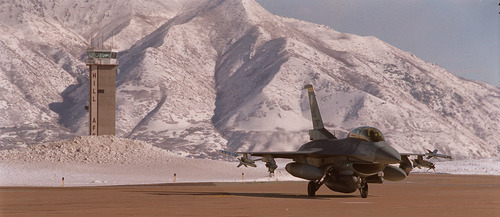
x=318, y=132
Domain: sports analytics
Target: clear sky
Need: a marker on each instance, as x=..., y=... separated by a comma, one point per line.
x=462, y=36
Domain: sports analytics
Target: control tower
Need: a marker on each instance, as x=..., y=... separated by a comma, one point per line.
x=102, y=66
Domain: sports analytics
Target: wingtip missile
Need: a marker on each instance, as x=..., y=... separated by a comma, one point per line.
x=228, y=153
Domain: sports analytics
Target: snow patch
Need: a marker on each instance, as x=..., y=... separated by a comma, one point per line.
x=109, y=160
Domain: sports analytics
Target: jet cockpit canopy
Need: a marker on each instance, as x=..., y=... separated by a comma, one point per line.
x=370, y=134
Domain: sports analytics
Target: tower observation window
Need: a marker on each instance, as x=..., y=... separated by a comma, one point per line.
x=105, y=55
x=102, y=55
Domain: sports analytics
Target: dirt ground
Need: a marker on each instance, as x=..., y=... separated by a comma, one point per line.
x=418, y=195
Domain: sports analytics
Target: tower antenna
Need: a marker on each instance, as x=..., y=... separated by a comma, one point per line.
x=112, y=39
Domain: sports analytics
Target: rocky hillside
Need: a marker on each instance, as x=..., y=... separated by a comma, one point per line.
x=197, y=76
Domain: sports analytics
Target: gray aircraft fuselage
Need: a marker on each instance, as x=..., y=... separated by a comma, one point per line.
x=355, y=150
x=343, y=165
x=346, y=161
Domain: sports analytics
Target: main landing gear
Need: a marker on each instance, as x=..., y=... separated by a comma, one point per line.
x=363, y=190
x=312, y=187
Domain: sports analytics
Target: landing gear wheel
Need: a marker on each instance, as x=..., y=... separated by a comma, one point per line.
x=364, y=190
x=311, y=188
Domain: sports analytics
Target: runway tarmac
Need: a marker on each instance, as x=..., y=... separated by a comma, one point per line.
x=418, y=195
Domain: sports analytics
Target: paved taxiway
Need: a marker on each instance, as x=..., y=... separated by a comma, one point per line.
x=418, y=195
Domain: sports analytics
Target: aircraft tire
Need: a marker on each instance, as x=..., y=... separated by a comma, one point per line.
x=364, y=190
x=311, y=189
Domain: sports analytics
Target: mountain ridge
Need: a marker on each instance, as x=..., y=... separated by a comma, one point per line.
x=207, y=75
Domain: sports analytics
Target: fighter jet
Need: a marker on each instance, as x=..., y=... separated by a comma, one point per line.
x=343, y=165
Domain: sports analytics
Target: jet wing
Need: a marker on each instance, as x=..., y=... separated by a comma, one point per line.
x=268, y=157
x=283, y=154
x=429, y=155
x=407, y=165
x=411, y=154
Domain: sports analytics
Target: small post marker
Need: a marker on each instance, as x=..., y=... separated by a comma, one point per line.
x=175, y=176
x=242, y=176
x=62, y=181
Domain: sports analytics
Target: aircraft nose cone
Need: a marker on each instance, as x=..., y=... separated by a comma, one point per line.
x=387, y=155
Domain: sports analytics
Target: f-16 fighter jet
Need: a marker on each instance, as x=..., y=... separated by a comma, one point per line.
x=343, y=165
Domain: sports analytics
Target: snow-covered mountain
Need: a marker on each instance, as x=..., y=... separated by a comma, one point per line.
x=197, y=76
